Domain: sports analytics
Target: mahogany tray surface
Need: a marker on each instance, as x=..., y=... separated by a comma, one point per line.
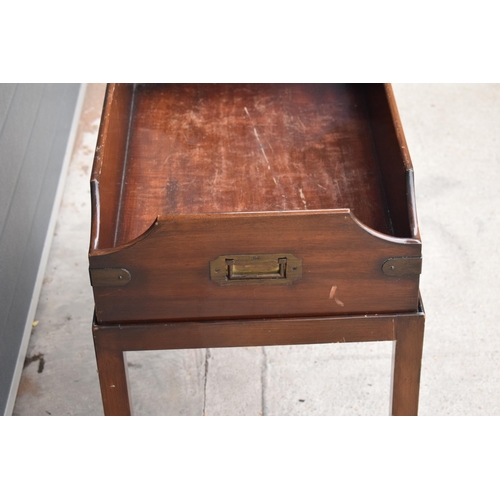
x=204, y=148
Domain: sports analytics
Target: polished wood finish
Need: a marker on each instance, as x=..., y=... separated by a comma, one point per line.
x=113, y=379
x=393, y=159
x=169, y=268
x=244, y=333
x=407, y=361
x=108, y=173
x=184, y=174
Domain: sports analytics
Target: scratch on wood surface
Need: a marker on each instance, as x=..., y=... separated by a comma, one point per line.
x=261, y=147
x=332, y=296
x=215, y=179
x=303, y=198
x=258, y=140
x=303, y=126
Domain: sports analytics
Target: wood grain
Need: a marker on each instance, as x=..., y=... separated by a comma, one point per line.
x=113, y=381
x=407, y=362
x=244, y=148
x=407, y=329
x=392, y=156
x=170, y=275
x=244, y=333
x=108, y=169
x=187, y=173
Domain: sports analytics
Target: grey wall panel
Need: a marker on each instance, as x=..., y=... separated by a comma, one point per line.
x=6, y=95
x=32, y=146
x=27, y=189
x=14, y=140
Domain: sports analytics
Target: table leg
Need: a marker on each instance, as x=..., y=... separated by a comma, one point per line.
x=112, y=369
x=407, y=362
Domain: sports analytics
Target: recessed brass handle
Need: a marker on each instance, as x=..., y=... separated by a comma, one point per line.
x=256, y=269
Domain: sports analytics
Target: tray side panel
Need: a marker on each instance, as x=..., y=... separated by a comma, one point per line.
x=392, y=154
x=109, y=162
x=170, y=276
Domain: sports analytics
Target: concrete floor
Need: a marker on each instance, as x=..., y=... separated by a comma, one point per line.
x=453, y=134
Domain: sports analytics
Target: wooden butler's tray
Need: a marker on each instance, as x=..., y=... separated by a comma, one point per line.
x=243, y=202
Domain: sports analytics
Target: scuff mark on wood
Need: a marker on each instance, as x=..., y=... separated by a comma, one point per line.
x=332, y=296
x=303, y=198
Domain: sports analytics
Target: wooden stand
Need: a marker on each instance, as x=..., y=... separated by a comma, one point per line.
x=287, y=216
x=407, y=330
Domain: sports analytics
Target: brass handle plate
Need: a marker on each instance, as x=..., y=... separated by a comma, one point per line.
x=256, y=269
